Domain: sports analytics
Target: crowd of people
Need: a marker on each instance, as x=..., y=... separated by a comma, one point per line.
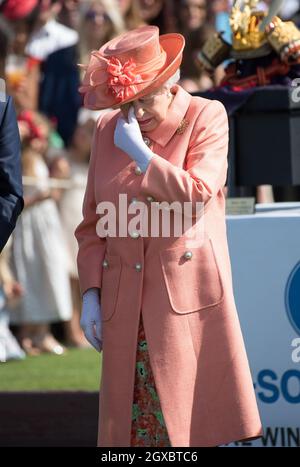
x=41, y=44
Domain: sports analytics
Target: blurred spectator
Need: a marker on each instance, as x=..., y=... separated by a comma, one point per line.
x=71, y=212
x=21, y=71
x=101, y=21
x=189, y=69
x=196, y=23
x=39, y=251
x=159, y=13
x=130, y=11
x=55, y=46
x=194, y=14
x=6, y=39
x=69, y=14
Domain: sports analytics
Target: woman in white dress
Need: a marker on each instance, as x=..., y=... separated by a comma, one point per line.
x=40, y=261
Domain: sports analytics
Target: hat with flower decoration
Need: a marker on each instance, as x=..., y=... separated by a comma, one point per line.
x=130, y=66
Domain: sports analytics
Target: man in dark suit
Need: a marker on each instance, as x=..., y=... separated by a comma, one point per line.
x=11, y=189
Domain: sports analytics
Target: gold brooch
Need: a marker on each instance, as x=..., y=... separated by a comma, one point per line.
x=182, y=127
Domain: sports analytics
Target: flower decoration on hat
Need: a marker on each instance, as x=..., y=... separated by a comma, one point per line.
x=108, y=80
x=121, y=78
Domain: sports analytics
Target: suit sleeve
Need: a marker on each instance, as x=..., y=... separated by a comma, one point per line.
x=91, y=247
x=206, y=163
x=11, y=188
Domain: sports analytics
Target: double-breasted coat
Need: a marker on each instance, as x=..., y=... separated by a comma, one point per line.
x=195, y=344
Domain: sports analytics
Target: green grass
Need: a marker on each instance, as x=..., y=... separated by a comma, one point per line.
x=78, y=369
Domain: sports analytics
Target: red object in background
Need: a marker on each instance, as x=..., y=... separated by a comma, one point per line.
x=262, y=76
x=27, y=117
x=32, y=62
x=17, y=9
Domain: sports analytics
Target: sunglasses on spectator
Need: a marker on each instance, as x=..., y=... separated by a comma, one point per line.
x=91, y=15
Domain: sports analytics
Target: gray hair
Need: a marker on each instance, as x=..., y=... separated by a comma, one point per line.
x=169, y=83
x=173, y=79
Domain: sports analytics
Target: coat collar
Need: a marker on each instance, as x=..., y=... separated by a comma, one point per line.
x=176, y=112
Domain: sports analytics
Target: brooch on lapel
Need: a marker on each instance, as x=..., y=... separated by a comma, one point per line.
x=182, y=127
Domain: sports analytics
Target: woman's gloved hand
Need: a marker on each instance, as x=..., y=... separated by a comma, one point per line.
x=128, y=137
x=91, y=320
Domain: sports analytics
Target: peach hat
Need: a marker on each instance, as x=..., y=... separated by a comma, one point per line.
x=130, y=66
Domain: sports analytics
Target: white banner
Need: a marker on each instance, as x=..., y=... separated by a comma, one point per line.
x=265, y=257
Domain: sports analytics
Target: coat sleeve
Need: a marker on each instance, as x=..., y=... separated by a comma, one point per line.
x=11, y=188
x=205, y=164
x=91, y=247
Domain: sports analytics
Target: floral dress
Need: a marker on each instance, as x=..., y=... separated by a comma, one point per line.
x=148, y=425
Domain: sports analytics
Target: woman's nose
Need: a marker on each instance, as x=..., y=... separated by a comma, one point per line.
x=139, y=111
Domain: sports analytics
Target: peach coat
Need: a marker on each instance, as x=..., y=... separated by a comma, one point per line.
x=195, y=343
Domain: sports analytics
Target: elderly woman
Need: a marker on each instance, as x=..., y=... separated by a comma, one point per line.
x=160, y=306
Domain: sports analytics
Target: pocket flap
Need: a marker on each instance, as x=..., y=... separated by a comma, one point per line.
x=192, y=277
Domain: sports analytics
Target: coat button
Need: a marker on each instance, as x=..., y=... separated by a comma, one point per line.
x=105, y=263
x=133, y=200
x=138, y=170
x=138, y=266
x=188, y=254
x=134, y=234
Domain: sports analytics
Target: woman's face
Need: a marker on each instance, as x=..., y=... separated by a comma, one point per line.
x=21, y=37
x=152, y=109
x=70, y=13
x=97, y=22
x=193, y=13
x=150, y=8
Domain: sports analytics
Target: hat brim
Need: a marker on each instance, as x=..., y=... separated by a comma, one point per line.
x=173, y=44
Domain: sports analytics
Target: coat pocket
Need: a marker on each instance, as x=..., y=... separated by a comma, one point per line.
x=111, y=273
x=192, y=277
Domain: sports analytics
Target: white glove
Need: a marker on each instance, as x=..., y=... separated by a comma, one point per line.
x=91, y=320
x=128, y=137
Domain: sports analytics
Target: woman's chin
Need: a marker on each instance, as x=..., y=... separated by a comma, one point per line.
x=151, y=126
